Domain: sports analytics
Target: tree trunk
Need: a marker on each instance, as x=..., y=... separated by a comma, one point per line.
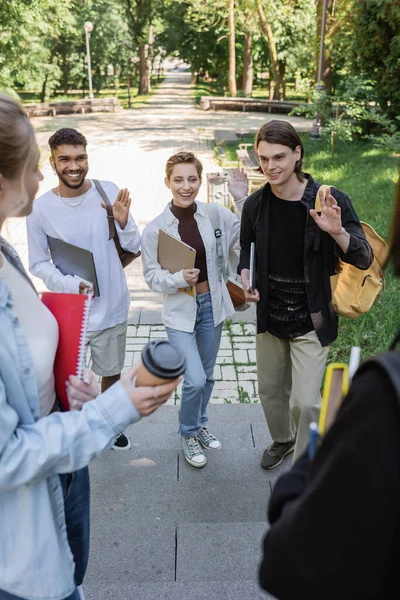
x=327, y=48
x=43, y=92
x=150, y=56
x=272, y=51
x=247, y=65
x=65, y=69
x=143, y=70
x=232, y=55
x=282, y=73
x=271, y=86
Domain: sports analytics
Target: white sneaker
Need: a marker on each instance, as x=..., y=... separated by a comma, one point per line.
x=193, y=453
x=207, y=439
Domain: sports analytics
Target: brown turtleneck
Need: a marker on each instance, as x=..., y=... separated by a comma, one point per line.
x=190, y=234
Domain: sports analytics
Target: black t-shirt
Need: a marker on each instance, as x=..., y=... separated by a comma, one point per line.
x=288, y=310
x=190, y=234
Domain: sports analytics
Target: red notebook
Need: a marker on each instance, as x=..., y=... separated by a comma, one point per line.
x=72, y=315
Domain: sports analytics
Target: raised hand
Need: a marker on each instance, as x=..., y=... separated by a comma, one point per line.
x=121, y=207
x=238, y=184
x=330, y=219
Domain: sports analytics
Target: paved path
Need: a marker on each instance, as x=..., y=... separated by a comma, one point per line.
x=131, y=148
x=160, y=528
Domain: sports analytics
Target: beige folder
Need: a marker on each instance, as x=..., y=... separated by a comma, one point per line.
x=174, y=255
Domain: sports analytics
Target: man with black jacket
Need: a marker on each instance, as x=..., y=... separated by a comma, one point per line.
x=335, y=520
x=297, y=250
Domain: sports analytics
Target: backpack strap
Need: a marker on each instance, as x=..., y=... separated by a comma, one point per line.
x=213, y=214
x=110, y=216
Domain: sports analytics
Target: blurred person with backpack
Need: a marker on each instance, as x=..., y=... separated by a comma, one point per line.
x=297, y=249
x=335, y=520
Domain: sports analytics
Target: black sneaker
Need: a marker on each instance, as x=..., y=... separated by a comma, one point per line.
x=275, y=453
x=121, y=442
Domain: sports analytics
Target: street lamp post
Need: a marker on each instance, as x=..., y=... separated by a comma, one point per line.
x=88, y=28
x=316, y=130
x=127, y=44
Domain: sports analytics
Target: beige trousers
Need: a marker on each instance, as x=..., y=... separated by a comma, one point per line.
x=289, y=376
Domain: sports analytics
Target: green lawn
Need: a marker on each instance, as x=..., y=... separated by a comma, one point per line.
x=368, y=175
x=121, y=93
x=214, y=89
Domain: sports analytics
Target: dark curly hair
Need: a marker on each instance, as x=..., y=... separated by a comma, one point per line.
x=282, y=132
x=68, y=136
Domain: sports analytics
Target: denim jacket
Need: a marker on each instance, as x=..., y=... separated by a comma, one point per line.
x=179, y=309
x=35, y=559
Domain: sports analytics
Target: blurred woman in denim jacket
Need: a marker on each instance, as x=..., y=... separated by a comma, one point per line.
x=44, y=484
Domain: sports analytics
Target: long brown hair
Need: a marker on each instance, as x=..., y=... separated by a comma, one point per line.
x=16, y=135
x=394, y=247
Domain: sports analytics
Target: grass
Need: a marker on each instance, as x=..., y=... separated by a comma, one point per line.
x=368, y=175
x=213, y=88
x=121, y=93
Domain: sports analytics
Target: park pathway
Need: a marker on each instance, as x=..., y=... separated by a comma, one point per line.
x=161, y=529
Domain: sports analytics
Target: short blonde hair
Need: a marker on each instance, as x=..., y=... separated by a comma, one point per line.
x=180, y=158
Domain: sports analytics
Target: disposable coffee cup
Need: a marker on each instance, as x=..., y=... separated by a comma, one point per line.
x=161, y=363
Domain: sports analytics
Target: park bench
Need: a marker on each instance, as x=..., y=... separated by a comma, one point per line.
x=248, y=160
x=70, y=107
x=247, y=104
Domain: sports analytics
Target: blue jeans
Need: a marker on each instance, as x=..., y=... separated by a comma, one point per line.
x=76, y=488
x=201, y=349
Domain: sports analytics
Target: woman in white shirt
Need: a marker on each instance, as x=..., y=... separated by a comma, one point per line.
x=44, y=509
x=193, y=321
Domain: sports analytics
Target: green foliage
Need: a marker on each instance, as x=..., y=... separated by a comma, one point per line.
x=376, y=48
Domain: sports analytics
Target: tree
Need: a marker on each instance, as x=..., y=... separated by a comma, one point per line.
x=232, y=52
x=277, y=90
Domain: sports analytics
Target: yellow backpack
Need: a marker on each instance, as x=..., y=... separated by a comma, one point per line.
x=353, y=290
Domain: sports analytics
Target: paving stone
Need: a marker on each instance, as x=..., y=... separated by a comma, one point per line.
x=147, y=554
x=127, y=589
x=237, y=329
x=225, y=385
x=228, y=373
x=230, y=557
x=128, y=359
x=217, y=372
x=250, y=329
x=226, y=352
x=246, y=369
x=248, y=386
x=241, y=356
x=143, y=331
x=252, y=356
x=224, y=360
x=244, y=339
x=242, y=346
x=225, y=343
x=247, y=377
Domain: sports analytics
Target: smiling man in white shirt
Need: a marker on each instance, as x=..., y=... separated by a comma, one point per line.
x=75, y=213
